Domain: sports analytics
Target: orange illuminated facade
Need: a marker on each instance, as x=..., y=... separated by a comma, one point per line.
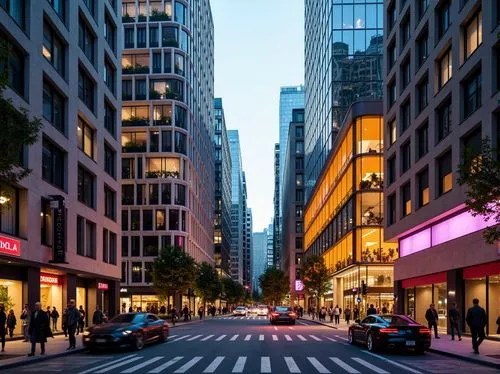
x=344, y=216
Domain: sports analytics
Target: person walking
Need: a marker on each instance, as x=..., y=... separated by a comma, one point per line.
x=81, y=322
x=330, y=313
x=25, y=319
x=174, y=315
x=347, y=314
x=476, y=319
x=64, y=322
x=200, y=312
x=11, y=323
x=355, y=313
x=54, y=316
x=98, y=317
x=371, y=310
x=73, y=318
x=3, y=321
x=454, y=318
x=384, y=309
x=185, y=312
x=336, y=311
x=39, y=329
x=163, y=309
x=432, y=319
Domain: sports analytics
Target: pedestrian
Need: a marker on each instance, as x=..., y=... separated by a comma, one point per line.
x=98, y=317
x=54, y=317
x=81, y=322
x=454, y=317
x=384, y=309
x=432, y=319
x=301, y=312
x=48, y=313
x=355, y=313
x=309, y=312
x=64, y=322
x=11, y=323
x=336, y=312
x=163, y=309
x=3, y=321
x=476, y=319
x=174, y=315
x=73, y=318
x=330, y=313
x=498, y=325
x=200, y=312
x=347, y=314
x=185, y=312
x=39, y=329
x=25, y=319
x=371, y=310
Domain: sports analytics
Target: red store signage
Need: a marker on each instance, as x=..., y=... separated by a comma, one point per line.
x=49, y=279
x=10, y=246
x=102, y=286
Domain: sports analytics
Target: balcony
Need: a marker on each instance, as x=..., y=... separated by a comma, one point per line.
x=378, y=255
x=137, y=69
x=127, y=18
x=157, y=15
x=142, y=18
x=134, y=147
x=163, y=121
x=170, y=43
x=162, y=174
x=135, y=121
x=167, y=95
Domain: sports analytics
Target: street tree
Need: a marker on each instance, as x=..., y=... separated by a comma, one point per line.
x=173, y=271
x=208, y=284
x=316, y=276
x=480, y=172
x=275, y=285
x=233, y=290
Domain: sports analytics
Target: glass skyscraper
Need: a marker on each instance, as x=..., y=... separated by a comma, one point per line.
x=343, y=64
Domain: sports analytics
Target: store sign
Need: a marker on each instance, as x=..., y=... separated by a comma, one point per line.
x=49, y=279
x=123, y=290
x=299, y=285
x=58, y=230
x=10, y=246
x=102, y=286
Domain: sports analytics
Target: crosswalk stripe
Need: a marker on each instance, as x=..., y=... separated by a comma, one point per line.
x=318, y=365
x=394, y=363
x=220, y=338
x=167, y=364
x=207, y=337
x=275, y=338
x=214, y=365
x=261, y=337
x=248, y=337
x=265, y=365
x=234, y=338
x=292, y=366
x=287, y=337
x=341, y=337
x=106, y=364
x=344, y=366
x=242, y=317
x=240, y=364
x=301, y=338
x=188, y=365
x=172, y=336
x=117, y=365
x=330, y=339
x=180, y=338
x=275, y=328
x=316, y=338
x=291, y=328
x=369, y=366
x=144, y=364
x=193, y=338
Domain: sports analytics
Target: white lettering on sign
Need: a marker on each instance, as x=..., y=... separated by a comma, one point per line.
x=49, y=279
x=102, y=286
x=10, y=246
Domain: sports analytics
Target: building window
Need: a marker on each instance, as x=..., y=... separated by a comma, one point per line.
x=135, y=224
x=180, y=142
x=148, y=272
x=135, y=245
x=405, y=74
x=15, y=67
x=127, y=194
x=422, y=94
x=181, y=117
x=86, y=187
x=125, y=223
x=180, y=13
x=391, y=169
x=153, y=37
x=126, y=90
x=110, y=118
x=140, y=89
x=299, y=132
x=90, y=6
x=60, y=8
x=405, y=200
x=471, y=145
x=391, y=16
x=299, y=211
x=391, y=55
x=405, y=152
x=299, y=163
x=299, y=180
x=473, y=34
x=128, y=37
x=147, y=220
x=391, y=206
x=299, y=227
x=54, y=107
x=444, y=120
x=422, y=140
x=9, y=212
x=299, y=147
x=109, y=203
x=391, y=92
x=109, y=76
x=85, y=138
x=45, y=222
x=405, y=115
x=17, y=10
x=108, y=247
x=166, y=89
x=422, y=48
x=53, y=49
x=124, y=277
x=86, y=89
x=166, y=193
x=472, y=94
x=299, y=195
x=141, y=37
x=392, y=130
x=110, y=33
x=445, y=176
x=445, y=69
x=443, y=19
x=85, y=237
x=422, y=6
x=136, y=272
x=161, y=220
x=405, y=31
x=53, y=164
x=86, y=40
x=299, y=243
x=423, y=188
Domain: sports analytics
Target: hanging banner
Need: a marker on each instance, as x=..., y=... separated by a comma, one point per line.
x=58, y=230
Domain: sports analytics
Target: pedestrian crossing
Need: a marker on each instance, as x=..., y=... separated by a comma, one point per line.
x=245, y=364
x=264, y=318
x=252, y=337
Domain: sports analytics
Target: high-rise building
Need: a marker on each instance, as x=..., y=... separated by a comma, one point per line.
x=167, y=138
x=270, y=247
x=222, y=218
x=443, y=91
x=60, y=226
x=249, y=249
x=293, y=207
x=246, y=223
x=343, y=64
x=259, y=257
x=276, y=202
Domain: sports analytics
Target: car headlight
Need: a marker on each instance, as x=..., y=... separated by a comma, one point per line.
x=86, y=333
x=126, y=332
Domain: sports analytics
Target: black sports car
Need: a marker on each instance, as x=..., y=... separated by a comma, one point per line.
x=390, y=331
x=282, y=314
x=126, y=330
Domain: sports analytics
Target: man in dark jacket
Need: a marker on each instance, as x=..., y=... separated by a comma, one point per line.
x=39, y=329
x=454, y=317
x=54, y=315
x=72, y=320
x=371, y=310
x=476, y=319
x=431, y=316
x=98, y=317
x=3, y=330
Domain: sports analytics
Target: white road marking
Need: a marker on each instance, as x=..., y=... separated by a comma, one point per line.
x=167, y=364
x=240, y=364
x=117, y=365
x=188, y=365
x=248, y=337
x=144, y=364
x=234, y=338
x=330, y=339
x=291, y=328
x=318, y=365
x=214, y=365
x=207, y=337
x=242, y=317
x=261, y=337
x=316, y=338
x=106, y=364
x=301, y=338
x=275, y=328
x=369, y=366
x=194, y=338
x=275, y=338
x=180, y=338
x=292, y=366
x=341, y=337
x=265, y=365
x=172, y=336
x=220, y=338
x=344, y=366
x=394, y=363
x=287, y=337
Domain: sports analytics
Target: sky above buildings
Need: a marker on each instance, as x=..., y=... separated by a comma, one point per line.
x=259, y=47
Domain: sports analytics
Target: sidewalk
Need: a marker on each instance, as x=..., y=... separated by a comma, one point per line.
x=489, y=349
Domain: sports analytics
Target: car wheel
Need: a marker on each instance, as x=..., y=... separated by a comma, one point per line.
x=370, y=343
x=350, y=338
x=164, y=336
x=139, y=341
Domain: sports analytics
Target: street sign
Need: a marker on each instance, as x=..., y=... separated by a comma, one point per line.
x=358, y=300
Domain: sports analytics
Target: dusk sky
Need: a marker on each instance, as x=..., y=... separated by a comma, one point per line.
x=259, y=47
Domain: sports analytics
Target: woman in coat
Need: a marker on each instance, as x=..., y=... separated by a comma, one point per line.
x=39, y=329
x=11, y=322
x=3, y=320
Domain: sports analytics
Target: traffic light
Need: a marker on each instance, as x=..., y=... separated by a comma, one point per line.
x=364, y=288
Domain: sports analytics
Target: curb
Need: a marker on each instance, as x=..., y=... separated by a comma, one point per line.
x=37, y=359
x=319, y=323
x=465, y=358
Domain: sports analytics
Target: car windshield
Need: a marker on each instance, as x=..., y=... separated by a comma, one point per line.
x=240, y=307
x=262, y=306
x=283, y=309
x=127, y=318
x=396, y=320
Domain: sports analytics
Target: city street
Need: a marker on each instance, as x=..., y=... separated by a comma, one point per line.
x=252, y=345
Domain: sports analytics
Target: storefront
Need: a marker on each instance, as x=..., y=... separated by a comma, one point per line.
x=51, y=293
x=11, y=295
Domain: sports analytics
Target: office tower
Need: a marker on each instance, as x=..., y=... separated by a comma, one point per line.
x=441, y=100
x=59, y=226
x=293, y=207
x=259, y=257
x=343, y=64
x=246, y=222
x=270, y=247
x=249, y=250
x=276, y=203
x=167, y=139
x=222, y=219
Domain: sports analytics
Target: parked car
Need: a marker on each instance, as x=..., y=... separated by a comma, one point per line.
x=390, y=331
x=262, y=310
x=282, y=314
x=240, y=311
x=126, y=330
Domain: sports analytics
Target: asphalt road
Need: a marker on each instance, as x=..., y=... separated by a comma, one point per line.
x=241, y=345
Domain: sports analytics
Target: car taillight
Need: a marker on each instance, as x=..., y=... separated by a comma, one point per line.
x=424, y=330
x=388, y=331
x=275, y=314
x=291, y=314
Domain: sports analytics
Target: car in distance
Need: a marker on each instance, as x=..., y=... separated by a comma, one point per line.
x=282, y=314
x=240, y=311
x=262, y=310
x=390, y=331
x=126, y=330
